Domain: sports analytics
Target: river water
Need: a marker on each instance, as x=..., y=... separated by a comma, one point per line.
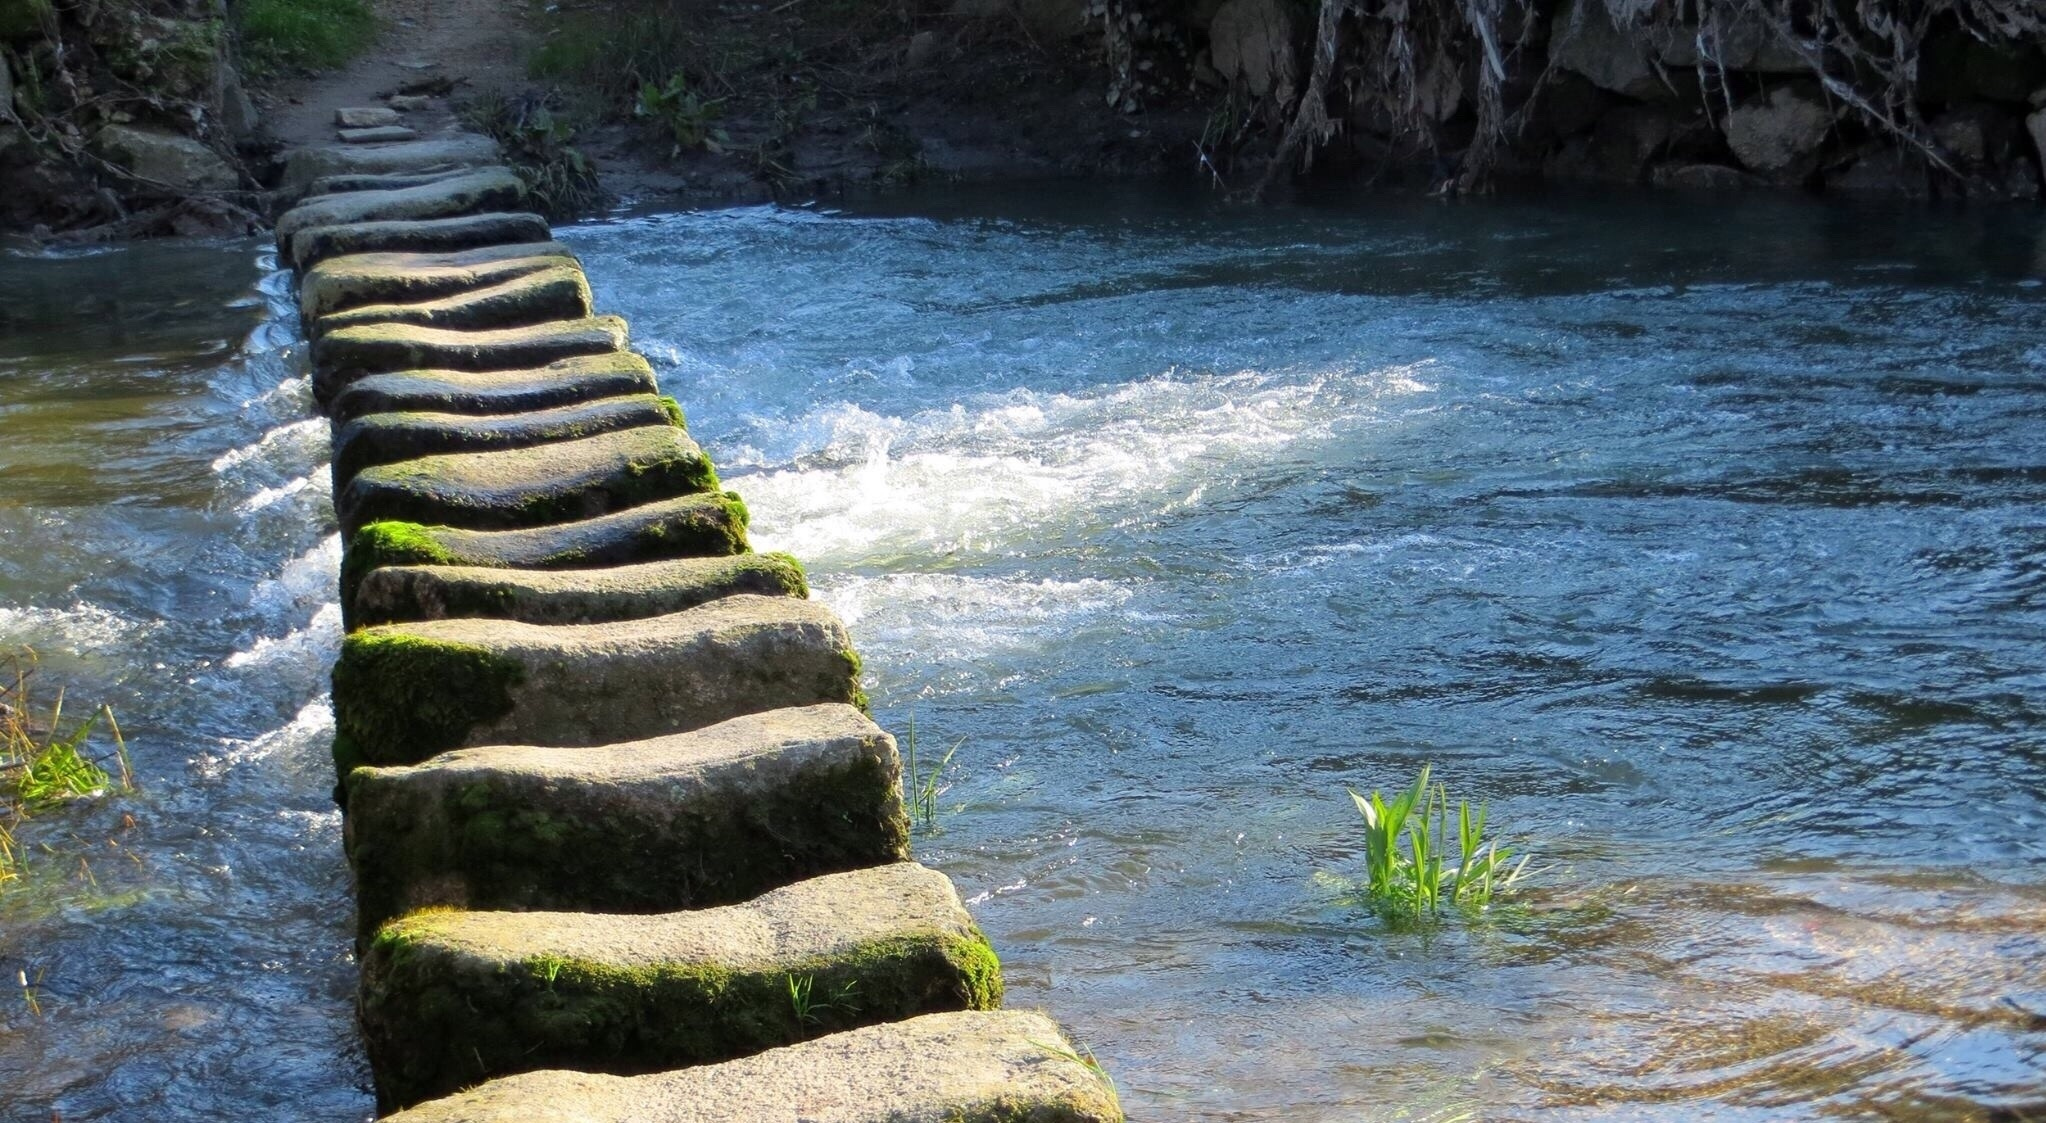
x=1703, y=542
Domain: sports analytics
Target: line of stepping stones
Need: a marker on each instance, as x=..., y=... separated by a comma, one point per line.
x=626, y=844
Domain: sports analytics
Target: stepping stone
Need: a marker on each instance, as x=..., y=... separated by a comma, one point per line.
x=404, y=692
x=409, y=103
x=556, y=292
x=342, y=184
x=518, y=487
x=304, y=165
x=384, y=135
x=404, y=593
x=390, y=438
x=479, y=192
x=452, y=998
x=340, y=283
x=710, y=817
x=434, y=235
x=365, y=117
x=992, y=1066
x=340, y=357
x=580, y=379
x=692, y=526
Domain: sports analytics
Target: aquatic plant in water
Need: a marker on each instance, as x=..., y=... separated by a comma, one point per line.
x=926, y=784
x=1421, y=879
x=40, y=764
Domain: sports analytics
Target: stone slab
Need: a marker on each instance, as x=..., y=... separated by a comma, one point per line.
x=390, y=438
x=405, y=593
x=351, y=281
x=382, y=135
x=711, y=524
x=365, y=117
x=579, y=379
x=340, y=357
x=406, y=692
x=555, y=292
x=304, y=165
x=313, y=245
x=342, y=184
x=451, y=998
x=976, y=1066
x=506, y=489
x=485, y=191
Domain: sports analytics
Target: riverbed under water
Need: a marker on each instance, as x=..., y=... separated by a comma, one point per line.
x=1704, y=541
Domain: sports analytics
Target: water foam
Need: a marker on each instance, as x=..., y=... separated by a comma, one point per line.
x=315, y=645
x=81, y=628
x=310, y=730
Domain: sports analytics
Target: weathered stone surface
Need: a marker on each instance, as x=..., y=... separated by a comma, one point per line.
x=580, y=379
x=353, y=280
x=365, y=117
x=1584, y=41
x=341, y=184
x=391, y=438
x=2035, y=126
x=1703, y=177
x=165, y=157
x=556, y=292
x=305, y=165
x=405, y=692
x=1619, y=149
x=520, y=487
x=409, y=103
x=385, y=135
x=453, y=998
x=1779, y=137
x=433, y=235
x=692, y=526
x=1253, y=40
x=403, y=593
x=340, y=357
x=479, y=192
x=970, y=1067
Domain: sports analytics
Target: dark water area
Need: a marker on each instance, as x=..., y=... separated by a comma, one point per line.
x=1701, y=540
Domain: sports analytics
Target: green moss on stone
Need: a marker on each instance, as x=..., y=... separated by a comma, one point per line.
x=673, y=409
x=399, y=698
x=789, y=572
x=381, y=544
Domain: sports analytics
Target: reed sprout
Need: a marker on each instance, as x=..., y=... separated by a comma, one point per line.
x=41, y=763
x=1411, y=869
x=926, y=785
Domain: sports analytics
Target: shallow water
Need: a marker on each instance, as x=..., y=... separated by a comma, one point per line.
x=1703, y=543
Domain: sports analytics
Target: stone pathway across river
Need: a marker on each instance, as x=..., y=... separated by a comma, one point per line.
x=626, y=844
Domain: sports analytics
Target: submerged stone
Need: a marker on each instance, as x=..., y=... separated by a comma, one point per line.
x=579, y=379
x=391, y=438
x=340, y=283
x=582, y=684
x=311, y=246
x=451, y=998
x=343, y=355
x=519, y=487
x=479, y=192
x=556, y=292
x=1003, y=1066
x=304, y=165
x=403, y=593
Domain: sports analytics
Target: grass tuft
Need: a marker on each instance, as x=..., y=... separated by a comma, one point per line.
x=1420, y=880
x=41, y=764
x=925, y=784
x=280, y=36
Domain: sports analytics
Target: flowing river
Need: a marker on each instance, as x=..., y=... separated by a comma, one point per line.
x=1704, y=542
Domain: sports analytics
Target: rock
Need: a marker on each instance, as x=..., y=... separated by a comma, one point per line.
x=1741, y=45
x=1882, y=170
x=487, y=190
x=557, y=292
x=392, y=438
x=688, y=527
x=386, y=135
x=969, y=1067
x=1955, y=66
x=341, y=283
x=980, y=9
x=365, y=117
x=165, y=158
x=238, y=114
x=1054, y=21
x=1780, y=137
x=1254, y=40
x=2035, y=126
x=345, y=354
x=453, y=998
x=433, y=235
x=405, y=692
x=1703, y=177
x=1619, y=149
x=305, y=165
x=922, y=51
x=520, y=487
x=580, y=379
x=409, y=103
x=406, y=593
x=1584, y=41
x=342, y=184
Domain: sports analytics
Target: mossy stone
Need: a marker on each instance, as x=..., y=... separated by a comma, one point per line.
x=400, y=697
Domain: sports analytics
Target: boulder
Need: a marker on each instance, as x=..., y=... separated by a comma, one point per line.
x=377, y=439
x=386, y=135
x=340, y=283
x=1703, y=177
x=1054, y=21
x=481, y=191
x=1254, y=40
x=579, y=379
x=1618, y=150
x=2035, y=127
x=238, y=116
x=409, y=103
x=1779, y=137
x=1584, y=41
x=689, y=527
x=1882, y=170
x=433, y=235
x=1001, y=1066
x=1743, y=45
x=165, y=158
x=406, y=692
x=453, y=998
x=505, y=489
x=342, y=356
x=405, y=593
x=342, y=184
x=555, y=292
x=366, y=117
x=304, y=165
